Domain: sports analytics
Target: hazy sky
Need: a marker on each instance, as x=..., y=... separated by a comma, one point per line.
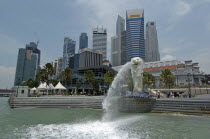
x=183, y=27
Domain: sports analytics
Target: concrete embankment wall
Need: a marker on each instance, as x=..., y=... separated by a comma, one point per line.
x=182, y=106
x=57, y=102
x=127, y=104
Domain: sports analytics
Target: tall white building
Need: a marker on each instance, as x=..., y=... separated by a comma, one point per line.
x=116, y=46
x=100, y=40
x=152, y=49
x=57, y=66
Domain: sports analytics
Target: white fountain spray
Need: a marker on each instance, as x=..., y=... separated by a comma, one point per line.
x=121, y=83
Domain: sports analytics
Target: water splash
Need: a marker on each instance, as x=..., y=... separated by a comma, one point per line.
x=92, y=129
x=121, y=83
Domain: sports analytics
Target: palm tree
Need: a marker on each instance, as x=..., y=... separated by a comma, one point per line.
x=95, y=85
x=78, y=85
x=67, y=75
x=45, y=73
x=30, y=83
x=148, y=79
x=49, y=70
x=42, y=75
x=90, y=78
x=168, y=78
x=109, y=77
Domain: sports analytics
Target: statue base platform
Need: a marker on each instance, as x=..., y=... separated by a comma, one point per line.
x=136, y=104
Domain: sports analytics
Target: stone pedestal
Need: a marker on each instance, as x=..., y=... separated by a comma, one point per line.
x=136, y=105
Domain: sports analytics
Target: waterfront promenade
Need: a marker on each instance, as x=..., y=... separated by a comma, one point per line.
x=198, y=106
x=94, y=102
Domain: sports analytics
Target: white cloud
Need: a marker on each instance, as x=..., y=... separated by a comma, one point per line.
x=168, y=50
x=202, y=58
x=168, y=58
x=182, y=8
x=7, y=75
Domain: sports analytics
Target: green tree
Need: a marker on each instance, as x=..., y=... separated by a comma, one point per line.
x=30, y=83
x=49, y=69
x=90, y=78
x=95, y=85
x=45, y=73
x=67, y=75
x=42, y=75
x=53, y=82
x=109, y=77
x=167, y=78
x=78, y=85
x=148, y=79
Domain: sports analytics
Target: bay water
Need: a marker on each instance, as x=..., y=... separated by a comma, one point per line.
x=66, y=123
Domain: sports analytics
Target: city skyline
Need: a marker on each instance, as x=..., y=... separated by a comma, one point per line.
x=116, y=46
x=28, y=63
x=177, y=30
x=151, y=42
x=135, y=45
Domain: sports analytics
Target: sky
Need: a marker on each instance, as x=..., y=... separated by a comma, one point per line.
x=183, y=27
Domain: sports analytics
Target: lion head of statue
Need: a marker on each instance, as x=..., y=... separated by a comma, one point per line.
x=136, y=61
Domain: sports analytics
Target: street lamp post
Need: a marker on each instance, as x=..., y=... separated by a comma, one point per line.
x=206, y=84
x=18, y=83
x=189, y=92
x=194, y=83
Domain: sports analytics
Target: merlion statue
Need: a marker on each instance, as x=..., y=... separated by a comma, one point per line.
x=137, y=73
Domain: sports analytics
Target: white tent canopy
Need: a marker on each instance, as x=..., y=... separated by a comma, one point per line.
x=51, y=86
x=33, y=89
x=42, y=86
x=60, y=86
x=45, y=85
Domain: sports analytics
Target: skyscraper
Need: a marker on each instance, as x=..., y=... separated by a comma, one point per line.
x=123, y=48
x=116, y=46
x=83, y=41
x=115, y=57
x=59, y=66
x=68, y=51
x=89, y=57
x=100, y=40
x=135, y=45
x=28, y=63
x=152, y=49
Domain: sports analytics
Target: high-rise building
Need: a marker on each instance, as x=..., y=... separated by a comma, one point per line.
x=116, y=42
x=68, y=51
x=83, y=41
x=89, y=57
x=28, y=63
x=100, y=41
x=59, y=66
x=120, y=25
x=123, y=48
x=152, y=49
x=74, y=61
x=135, y=45
x=55, y=66
x=115, y=58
